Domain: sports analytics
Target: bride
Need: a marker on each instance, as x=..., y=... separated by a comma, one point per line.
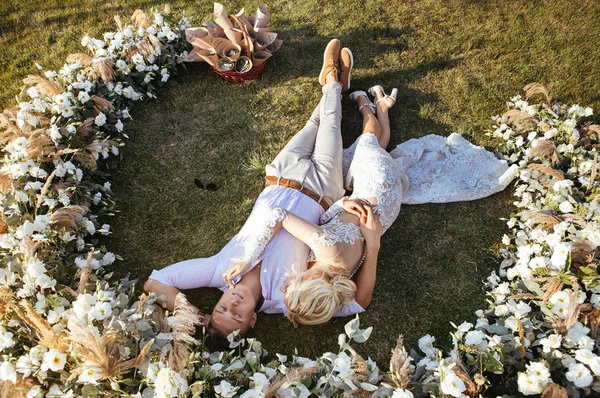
x=340, y=275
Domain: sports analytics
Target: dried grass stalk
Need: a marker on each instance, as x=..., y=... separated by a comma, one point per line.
x=582, y=252
x=67, y=217
x=522, y=120
x=562, y=326
x=155, y=42
x=101, y=104
x=400, y=364
x=472, y=389
x=554, y=391
x=86, y=272
x=141, y=304
x=43, y=85
x=6, y=183
x=47, y=335
x=594, y=171
x=552, y=286
x=547, y=170
x=158, y=317
x=18, y=390
x=545, y=148
x=3, y=225
x=86, y=127
x=542, y=220
x=140, y=19
x=535, y=88
x=521, y=296
x=82, y=58
x=592, y=319
x=137, y=361
x=118, y=22
x=360, y=370
x=292, y=377
x=521, y=338
x=183, y=333
x=102, y=350
x=44, y=190
x=105, y=68
x=145, y=48
x=39, y=144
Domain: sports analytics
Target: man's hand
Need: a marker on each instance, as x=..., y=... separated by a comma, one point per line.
x=355, y=206
x=236, y=270
x=371, y=228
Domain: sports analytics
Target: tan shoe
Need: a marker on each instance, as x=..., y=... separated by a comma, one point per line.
x=331, y=60
x=346, y=63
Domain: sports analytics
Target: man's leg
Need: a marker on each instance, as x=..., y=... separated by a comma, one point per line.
x=300, y=146
x=327, y=156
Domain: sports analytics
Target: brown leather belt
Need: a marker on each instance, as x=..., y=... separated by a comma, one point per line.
x=284, y=182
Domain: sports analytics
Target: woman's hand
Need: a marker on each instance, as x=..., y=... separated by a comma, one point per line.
x=355, y=206
x=234, y=271
x=371, y=228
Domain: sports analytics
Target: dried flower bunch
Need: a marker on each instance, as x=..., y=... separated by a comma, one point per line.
x=235, y=43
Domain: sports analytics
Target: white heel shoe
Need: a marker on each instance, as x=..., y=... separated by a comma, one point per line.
x=356, y=94
x=389, y=100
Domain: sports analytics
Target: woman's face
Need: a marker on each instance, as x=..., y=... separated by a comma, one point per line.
x=235, y=310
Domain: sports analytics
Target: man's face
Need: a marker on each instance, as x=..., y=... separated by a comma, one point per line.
x=235, y=310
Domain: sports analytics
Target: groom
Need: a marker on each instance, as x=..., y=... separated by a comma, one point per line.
x=304, y=178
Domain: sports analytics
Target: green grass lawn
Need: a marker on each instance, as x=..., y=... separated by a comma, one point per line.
x=455, y=64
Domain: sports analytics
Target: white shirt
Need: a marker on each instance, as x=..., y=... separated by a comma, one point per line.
x=280, y=255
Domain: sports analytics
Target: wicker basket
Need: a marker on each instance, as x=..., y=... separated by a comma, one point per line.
x=240, y=77
x=237, y=77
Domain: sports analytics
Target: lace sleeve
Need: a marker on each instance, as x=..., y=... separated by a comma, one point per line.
x=266, y=232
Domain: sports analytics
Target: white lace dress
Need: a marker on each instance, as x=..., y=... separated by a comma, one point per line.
x=370, y=172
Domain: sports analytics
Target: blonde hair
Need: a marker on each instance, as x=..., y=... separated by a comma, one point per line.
x=312, y=297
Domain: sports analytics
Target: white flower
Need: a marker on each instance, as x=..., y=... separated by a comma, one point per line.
x=83, y=97
x=100, y=120
x=54, y=360
x=560, y=255
x=122, y=65
x=566, y=207
x=452, y=384
x=8, y=372
x=540, y=371
x=579, y=375
x=6, y=340
x=426, y=345
x=474, y=338
x=400, y=393
x=101, y=311
x=529, y=384
x=560, y=302
x=226, y=390
x=119, y=125
x=108, y=258
x=169, y=384
x=260, y=382
x=551, y=342
x=92, y=372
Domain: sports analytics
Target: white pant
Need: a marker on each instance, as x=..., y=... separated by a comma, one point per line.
x=313, y=157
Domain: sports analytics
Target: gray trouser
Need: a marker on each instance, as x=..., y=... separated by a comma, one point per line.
x=313, y=157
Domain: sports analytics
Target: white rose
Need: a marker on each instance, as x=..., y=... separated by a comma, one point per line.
x=92, y=372
x=8, y=372
x=100, y=120
x=529, y=384
x=579, y=375
x=400, y=393
x=452, y=384
x=566, y=207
